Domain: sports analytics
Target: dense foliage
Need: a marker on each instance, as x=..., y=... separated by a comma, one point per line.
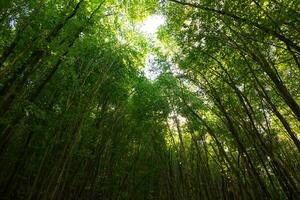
x=79, y=119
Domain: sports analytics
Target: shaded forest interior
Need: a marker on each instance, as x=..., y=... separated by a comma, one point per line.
x=92, y=106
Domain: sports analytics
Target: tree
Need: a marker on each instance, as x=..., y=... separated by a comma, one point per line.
x=81, y=120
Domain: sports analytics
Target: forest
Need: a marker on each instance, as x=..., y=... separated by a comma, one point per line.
x=149, y=99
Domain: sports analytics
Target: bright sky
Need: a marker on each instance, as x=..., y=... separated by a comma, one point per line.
x=151, y=69
x=151, y=24
x=149, y=28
